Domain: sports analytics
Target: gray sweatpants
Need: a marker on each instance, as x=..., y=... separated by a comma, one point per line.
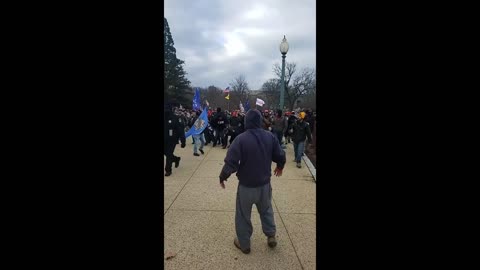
x=262, y=198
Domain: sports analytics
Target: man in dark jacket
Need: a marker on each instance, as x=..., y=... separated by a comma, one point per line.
x=173, y=131
x=235, y=127
x=266, y=123
x=279, y=126
x=250, y=156
x=301, y=131
x=220, y=123
x=291, y=120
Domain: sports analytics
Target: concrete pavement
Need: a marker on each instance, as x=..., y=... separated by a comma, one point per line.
x=199, y=216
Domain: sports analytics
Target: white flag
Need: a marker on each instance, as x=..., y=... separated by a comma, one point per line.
x=260, y=102
x=206, y=101
x=241, y=107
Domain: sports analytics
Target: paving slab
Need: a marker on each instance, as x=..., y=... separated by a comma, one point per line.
x=204, y=240
x=199, y=225
x=294, y=196
x=206, y=194
x=209, y=168
x=302, y=231
x=171, y=188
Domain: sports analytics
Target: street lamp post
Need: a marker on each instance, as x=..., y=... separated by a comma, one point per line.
x=283, y=50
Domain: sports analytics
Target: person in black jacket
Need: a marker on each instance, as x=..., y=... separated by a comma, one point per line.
x=219, y=123
x=173, y=131
x=235, y=127
x=291, y=120
x=250, y=156
x=301, y=131
x=279, y=126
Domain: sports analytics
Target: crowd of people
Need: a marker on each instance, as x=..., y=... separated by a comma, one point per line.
x=255, y=140
x=224, y=126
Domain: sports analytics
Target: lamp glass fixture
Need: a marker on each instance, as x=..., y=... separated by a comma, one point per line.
x=284, y=46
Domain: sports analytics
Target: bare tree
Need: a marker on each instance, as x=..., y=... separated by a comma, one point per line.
x=239, y=89
x=296, y=86
x=215, y=96
x=271, y=92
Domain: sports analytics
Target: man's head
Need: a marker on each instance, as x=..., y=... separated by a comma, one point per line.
x=253, y=119
x=279, y=113
x=219, y=109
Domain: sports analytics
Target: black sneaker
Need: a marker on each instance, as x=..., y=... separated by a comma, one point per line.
x=201, y=151
x=168, y=173
x=196, y=154
x=223, y=147
x=214, y=144
x=177, y=162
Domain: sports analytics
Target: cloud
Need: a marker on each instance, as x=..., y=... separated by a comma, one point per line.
x=220, y=40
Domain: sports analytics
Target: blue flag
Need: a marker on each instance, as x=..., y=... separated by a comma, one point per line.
x=199, y=125
x=247, y=106
x=197, y=103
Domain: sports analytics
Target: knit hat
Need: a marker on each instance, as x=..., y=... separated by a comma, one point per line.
x=302, y=115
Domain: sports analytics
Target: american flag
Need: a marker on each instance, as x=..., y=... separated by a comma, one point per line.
x=227, y=90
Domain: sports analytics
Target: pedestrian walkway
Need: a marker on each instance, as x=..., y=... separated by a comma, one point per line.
x=199, y=216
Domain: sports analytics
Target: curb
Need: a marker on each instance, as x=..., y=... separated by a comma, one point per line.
x=310, y=166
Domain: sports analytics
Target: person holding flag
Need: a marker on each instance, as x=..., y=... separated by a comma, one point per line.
x=197, y=129
x=198, y=138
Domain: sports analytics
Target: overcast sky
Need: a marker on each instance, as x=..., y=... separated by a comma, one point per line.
x=222, y=39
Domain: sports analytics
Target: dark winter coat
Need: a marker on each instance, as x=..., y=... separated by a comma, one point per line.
x=173, y=129
x=236, y=125
x=251, y=154
x=280, y=124
x=301, y=130
x=219, y=121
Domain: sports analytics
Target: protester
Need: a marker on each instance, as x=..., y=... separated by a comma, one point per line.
x=235, y=127
x=173, y=132
x=266, y=124
x=300, y=131
x=220, y=123
x=199, y=139
x=279, y=126
x=251, y=155
x=291, y=120
x=286, y=135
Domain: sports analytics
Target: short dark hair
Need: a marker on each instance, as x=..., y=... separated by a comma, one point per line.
x=219, y=109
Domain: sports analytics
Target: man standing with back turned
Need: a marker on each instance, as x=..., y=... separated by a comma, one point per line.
x=251, y=155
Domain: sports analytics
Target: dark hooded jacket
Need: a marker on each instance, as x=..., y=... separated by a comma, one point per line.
x=173, y=129
x=252, y=152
